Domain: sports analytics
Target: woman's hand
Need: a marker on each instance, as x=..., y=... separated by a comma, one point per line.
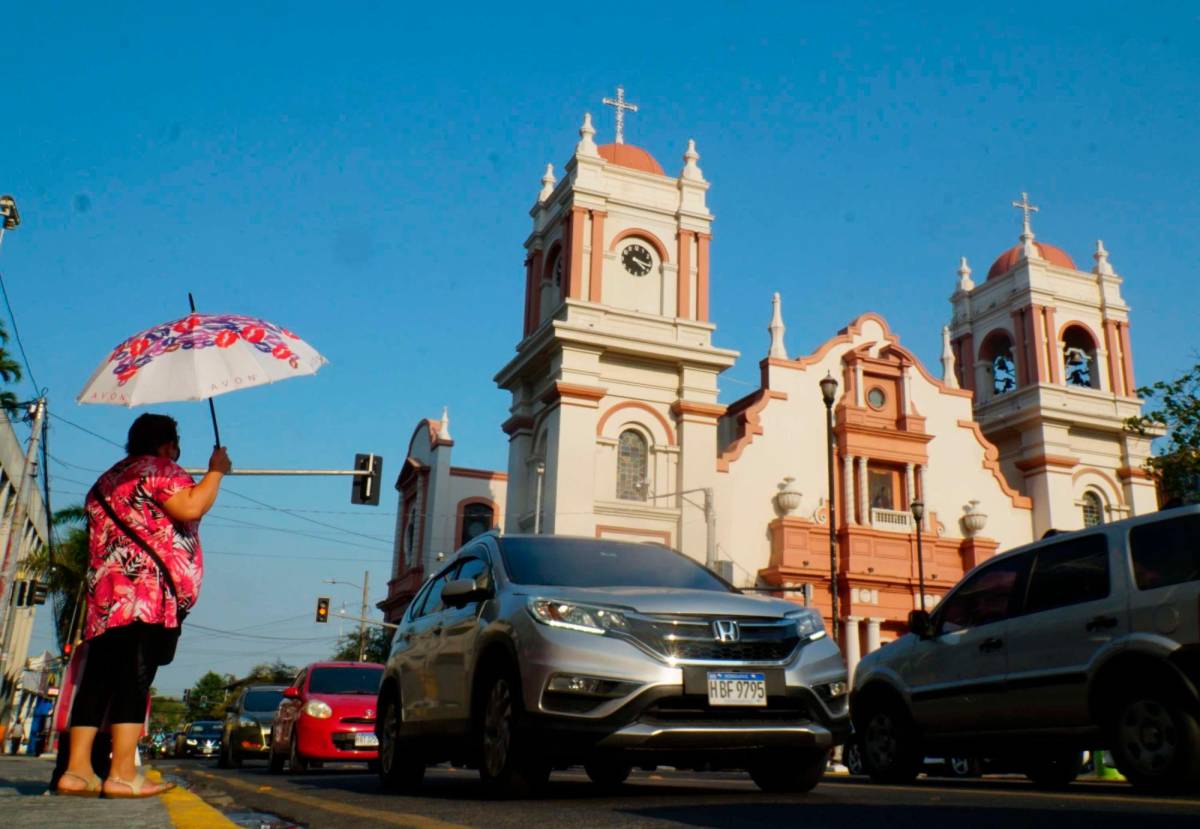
x=219, y=461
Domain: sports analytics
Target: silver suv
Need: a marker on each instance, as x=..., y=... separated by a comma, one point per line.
x=527, y=653
x=1082, y=641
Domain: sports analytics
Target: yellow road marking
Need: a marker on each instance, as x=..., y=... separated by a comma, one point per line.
x=1129, y=799
x=187, y=811
x=391, y=818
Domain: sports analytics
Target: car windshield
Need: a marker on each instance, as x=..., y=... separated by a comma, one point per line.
x=263, y=700
x=345, y=680
x=205, y=728
x=583, y=562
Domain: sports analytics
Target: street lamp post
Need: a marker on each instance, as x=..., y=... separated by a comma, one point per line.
x=362, y=621
x=918, y=512
x=828, y=393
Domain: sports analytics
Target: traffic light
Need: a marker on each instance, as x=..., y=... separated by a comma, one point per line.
x=323, y=609
x=37, y=592
x=19, y=591
x=67, y=648
x=364, y=489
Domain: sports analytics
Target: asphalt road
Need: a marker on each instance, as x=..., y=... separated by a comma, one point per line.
x=349, y=798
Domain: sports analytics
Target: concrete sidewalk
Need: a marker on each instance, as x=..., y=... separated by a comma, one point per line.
x=25, y=804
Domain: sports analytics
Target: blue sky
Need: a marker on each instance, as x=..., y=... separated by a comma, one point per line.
x=364, y=179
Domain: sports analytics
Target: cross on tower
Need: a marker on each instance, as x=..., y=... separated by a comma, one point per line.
x=1025, y=207
x=620, y=105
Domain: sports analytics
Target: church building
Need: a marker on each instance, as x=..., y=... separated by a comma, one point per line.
x=615, y=428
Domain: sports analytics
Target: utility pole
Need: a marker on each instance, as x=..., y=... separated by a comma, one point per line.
x=362, y=625
x=710, y=521
x=15, y=521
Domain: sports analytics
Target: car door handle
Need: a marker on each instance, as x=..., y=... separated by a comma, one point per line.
x=991, y=644
x=1102, y=623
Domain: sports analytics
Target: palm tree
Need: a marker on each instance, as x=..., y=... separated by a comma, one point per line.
x=66, y=574
x=10, y=372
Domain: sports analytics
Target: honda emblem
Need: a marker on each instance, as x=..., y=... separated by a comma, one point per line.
x=726, y=630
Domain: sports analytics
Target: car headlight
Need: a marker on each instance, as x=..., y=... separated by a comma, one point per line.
x=191, y=742
x=808, y=624
x=580, y=617
x=317, y=709
x=246, y=722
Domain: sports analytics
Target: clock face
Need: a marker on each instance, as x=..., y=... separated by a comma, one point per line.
x=637, y=260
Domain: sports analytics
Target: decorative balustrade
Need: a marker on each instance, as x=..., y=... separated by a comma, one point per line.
x=892, y=520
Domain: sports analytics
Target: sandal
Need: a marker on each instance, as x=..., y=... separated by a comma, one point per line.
x=135, y=788
x=91, y=788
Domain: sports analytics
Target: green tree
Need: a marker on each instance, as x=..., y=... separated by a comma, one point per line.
x=208, y=697
x=166, y=713
x=66, y=574
x=277, y=672
x=379, y=645
x=1173, y=408
x=10, y=372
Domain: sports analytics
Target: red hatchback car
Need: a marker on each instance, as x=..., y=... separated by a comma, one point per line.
x=327, y=714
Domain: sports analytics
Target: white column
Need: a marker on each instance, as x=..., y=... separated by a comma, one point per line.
x=873, y=633
x=848, y=488
x=858, y=385
x=921, y=480
x=851, y=647
x=864, y=508
x=909, y=490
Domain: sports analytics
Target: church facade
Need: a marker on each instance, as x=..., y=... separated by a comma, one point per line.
x=615, y=428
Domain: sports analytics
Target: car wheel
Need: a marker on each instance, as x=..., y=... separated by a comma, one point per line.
x=607, y=773
x=1055, y=770
x=400, y=769
x=852, y=758
x=891, y=751
x=274, y=758
x=505, y=767
x=964, y=767
x=296, y=763
x=1156, y=742
x=788, y=771
x=224, y=761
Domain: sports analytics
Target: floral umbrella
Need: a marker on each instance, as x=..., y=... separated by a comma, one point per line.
x=197, y=358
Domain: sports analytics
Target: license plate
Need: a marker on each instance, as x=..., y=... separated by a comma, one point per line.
x=366, y=741
x=737, y=688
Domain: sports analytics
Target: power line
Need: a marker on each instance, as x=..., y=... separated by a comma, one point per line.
x=17, y=335
x=87, y=430
x=237, y=634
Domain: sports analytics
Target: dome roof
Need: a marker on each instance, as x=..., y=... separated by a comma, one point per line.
x=627, y=155
x=1010, y=257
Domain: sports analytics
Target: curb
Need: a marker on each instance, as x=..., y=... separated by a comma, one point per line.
x=187, y=810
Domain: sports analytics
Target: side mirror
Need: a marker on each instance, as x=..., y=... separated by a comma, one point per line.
x=920, y=624
x=462, y=592
x=291, y=692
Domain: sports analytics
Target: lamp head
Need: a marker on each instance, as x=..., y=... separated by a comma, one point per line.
x=9, y=216
x=828, y=388
x=918, y=510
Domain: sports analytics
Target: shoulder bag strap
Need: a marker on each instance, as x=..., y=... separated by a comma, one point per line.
x=137, y=539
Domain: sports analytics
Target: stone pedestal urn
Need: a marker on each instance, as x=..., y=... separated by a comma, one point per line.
x=788, y=498
x=973, y=520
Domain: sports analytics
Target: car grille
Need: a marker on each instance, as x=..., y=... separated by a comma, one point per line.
x=692, y=639
x=359, y=720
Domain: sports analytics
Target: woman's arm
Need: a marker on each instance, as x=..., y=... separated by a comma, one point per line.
x=192, y=503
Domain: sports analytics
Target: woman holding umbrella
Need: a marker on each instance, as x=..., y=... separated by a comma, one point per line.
x=144, y=576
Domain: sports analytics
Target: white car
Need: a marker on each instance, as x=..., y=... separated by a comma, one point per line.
x=1080, y=641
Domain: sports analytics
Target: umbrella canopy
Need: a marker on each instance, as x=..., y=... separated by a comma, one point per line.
x=199, y=357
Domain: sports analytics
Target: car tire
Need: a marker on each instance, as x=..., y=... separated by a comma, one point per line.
x=224, y=761
x=964, y=767
x=401, y=770
x=1155, y=742
x=607, y=773
x=1055, y=770
x=891, y=749
x=507, y=767
x=296, y=762
x=274, y=759
x=782, y=772
x=852, y=758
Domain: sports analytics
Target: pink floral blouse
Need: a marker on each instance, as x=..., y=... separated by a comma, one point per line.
x=124, y=585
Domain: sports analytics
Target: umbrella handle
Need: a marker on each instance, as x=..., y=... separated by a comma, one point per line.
x=212, y=410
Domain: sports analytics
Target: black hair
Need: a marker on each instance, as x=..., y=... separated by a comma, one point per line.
x=149, y=432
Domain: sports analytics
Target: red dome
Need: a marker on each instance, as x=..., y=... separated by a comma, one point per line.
x=1055, y=256
x=627, y=155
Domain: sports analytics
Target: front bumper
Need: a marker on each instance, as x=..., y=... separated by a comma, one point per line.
x=331, y=740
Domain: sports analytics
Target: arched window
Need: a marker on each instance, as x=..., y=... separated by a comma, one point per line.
x=551, y=286
x=1079, y=358
x=410, y=533
x=476, y=520
x=1093, y=509
x=997, y=353
x=632, y=465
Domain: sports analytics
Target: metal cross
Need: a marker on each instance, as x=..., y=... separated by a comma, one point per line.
x=1024, y=206
x=620, y=104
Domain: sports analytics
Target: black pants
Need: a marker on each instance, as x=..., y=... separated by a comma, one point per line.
x=121, y=664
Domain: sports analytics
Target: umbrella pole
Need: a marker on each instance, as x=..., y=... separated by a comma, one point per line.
x=212, y=410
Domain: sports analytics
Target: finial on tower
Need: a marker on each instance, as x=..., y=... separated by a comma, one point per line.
x=778, y=349
x=620, y=105
x=1101, y=256
x=965, y=283
x=1027, y=236
x=548, y=182
x=949, y=377
x=691, y=170
x=586, y=145
x=444, y=426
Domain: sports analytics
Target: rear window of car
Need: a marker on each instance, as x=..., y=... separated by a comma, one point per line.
x=1068, y=573
x=263, y=700
x=345, y=680
x=1166, y=552
x=582, y=562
